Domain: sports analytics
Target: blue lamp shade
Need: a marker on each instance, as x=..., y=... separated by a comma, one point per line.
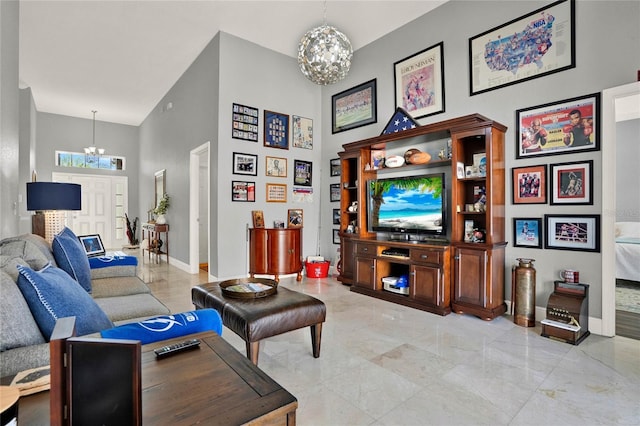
x=53, y=196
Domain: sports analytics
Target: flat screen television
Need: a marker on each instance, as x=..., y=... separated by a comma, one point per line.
x=407, y=205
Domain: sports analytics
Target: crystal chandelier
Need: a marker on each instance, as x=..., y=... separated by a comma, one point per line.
x=324, y=54
x=92, y=150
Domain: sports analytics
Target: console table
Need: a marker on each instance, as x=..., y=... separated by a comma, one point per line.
x=229, y=391
x=154, y=231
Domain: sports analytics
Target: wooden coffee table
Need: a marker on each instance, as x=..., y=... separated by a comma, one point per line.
x=213, y=385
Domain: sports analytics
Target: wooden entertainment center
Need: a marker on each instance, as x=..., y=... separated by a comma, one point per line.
x=459, y=272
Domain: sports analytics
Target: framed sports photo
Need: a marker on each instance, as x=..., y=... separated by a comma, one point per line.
x=336, y=236
x=243, y=191
x=276, y=166
x=92, y=244
x=564, y=127
x=302, y=133
x=336, y=216
x=334, y=167
x=419, y=82
x=295, y=218
x=245, y=164
x=354, y=107
x=276, y=193
x=529, y=184
x=258, y=218
x=572, y=232
x=276, y=130
x=572, y=183
x=334, y=192
x=302, y=172
x=245, y=123
x=527, y=232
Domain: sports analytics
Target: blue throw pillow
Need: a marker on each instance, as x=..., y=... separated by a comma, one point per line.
x=71, y=257
x=52, y=294
x=167, y=326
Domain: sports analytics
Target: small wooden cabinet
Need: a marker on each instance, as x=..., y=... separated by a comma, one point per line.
x=275, y=251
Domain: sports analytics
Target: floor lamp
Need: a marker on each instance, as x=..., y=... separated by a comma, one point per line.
x=49, y=200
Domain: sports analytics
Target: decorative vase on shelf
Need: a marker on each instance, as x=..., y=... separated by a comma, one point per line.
x=161, y=220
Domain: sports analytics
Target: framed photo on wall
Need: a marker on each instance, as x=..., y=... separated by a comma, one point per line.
x=564, y=127
x=336, y=236
x=245, y=164
x=529, y=184
x=245, y=123
x=334, y=192
x=354, y=107
x=295, y=218
x=419, y=82
x=276, y=193
x=527, y=232
x=335, y=167
x=243, y=191
x=302, y=173
x=302, y=132
x=572, y=183
x=536, y=44
x=276, y=166
x=572, y=232
x=336, y=216
x=276, y=130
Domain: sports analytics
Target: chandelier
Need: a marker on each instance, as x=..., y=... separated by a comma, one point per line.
x=92, y=150
x=324, y=54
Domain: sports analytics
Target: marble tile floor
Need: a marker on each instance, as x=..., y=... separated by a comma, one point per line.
x=385, y=364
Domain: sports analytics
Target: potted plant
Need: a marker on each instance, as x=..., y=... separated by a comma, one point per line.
x=161, y=209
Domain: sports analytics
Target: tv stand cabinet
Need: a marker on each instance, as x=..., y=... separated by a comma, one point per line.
x=460, y=275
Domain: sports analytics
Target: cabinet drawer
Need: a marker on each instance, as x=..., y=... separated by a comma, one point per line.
x=365, y=250
x=427, y=256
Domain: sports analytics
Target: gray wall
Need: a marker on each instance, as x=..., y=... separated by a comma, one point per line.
x=627, y=177
x=599, y=26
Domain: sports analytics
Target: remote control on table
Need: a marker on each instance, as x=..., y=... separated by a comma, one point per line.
x=165, y=351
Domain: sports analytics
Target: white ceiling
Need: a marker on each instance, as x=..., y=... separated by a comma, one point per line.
x=121, y=57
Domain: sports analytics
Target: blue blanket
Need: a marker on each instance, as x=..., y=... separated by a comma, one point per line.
x=106, y=261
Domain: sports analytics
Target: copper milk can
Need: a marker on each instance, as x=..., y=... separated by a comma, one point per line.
x=523, y=293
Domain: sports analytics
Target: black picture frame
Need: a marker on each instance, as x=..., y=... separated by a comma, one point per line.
x=334, y=192
x=493, y=65
x=419, y=82
x=572, y=183
x=245, y=164
x=244, y=123
x=336, y=216
x=336, y=236
x=243, y=191
x=527, y=232
x=334, y=167
x=355, y=107
x=302, y=173
x=572, y=232
x=560, y=127
x=276, y=130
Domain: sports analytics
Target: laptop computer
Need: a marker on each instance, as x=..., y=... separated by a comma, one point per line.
x=92, y=245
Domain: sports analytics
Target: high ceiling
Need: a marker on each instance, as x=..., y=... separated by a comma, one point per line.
x=121, y=57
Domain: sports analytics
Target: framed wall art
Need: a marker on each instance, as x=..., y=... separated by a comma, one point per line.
x=276, y=166
x=529, y=184
x=334, y=192
x=564, y=127
x=276, y=130
x=276, y=193
x=336, y=216
x=245, y=123
x=336, y=236
x=334, y=167
x=243, y=191
x=354, y=107
x=527, y=232
x=572, y=183
x=245, y=164
x=258, y=218
x=302, y=173
x=534, y=45
x=572, y=232
x=419, y=82
x=295, y=218
x=302, y=133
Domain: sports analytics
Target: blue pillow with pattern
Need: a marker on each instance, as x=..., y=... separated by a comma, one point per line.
x=52, y=294
x=72, y=258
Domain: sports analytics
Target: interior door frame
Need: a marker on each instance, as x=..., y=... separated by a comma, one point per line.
x=194, y=203
x=609, y=97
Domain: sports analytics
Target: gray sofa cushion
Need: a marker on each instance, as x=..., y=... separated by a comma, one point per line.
x=118, y=286
x=24, y=358
x=14, y=310
x=136, y=305
x=32, y=248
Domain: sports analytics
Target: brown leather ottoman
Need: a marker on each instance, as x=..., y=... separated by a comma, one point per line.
x=256, y=319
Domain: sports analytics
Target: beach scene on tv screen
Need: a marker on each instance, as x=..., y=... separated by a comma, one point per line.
x=410, y=209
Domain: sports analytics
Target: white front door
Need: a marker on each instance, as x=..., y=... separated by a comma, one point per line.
x=104, y=202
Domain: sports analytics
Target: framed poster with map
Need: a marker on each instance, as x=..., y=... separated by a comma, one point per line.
x=536, y=44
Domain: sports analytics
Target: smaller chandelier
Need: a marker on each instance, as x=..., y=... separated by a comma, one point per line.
x=92, y=150
x=324, y=55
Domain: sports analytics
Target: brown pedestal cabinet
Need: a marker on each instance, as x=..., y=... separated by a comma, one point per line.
x=275, y=251
x=463, y=272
